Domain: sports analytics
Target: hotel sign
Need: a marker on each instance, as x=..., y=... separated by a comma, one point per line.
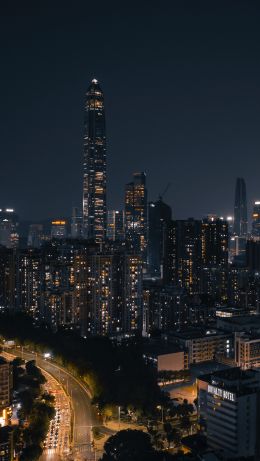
x=217, y=391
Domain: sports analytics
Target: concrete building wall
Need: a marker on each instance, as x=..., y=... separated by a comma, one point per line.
x=174, y=361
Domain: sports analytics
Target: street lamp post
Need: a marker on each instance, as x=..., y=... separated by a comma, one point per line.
x=119, y=415
x=160, y=407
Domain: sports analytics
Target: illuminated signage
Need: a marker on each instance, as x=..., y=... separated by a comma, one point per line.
x=221, y=393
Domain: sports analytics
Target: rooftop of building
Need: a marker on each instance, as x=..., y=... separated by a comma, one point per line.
x=161, y=347
x=249, y=336
x=243, y=319
x=196, y=333
x=237, y=380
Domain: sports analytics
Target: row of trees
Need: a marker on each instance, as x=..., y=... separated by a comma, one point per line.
x=36, y=410
x=169, y=375
x=115, y=374
x=133, y=445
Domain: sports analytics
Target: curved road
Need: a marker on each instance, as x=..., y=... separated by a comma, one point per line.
x=83, y=413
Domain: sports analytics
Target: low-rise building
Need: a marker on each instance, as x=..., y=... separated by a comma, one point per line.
x=247, y=350
x=167, y=357
x=203, y=345
x=239, y=323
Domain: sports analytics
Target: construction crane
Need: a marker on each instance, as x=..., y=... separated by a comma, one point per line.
x=165, y=191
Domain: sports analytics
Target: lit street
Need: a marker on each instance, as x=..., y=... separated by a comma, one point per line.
x=83, y=417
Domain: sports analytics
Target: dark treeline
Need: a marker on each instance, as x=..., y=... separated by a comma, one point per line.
x=115, y=374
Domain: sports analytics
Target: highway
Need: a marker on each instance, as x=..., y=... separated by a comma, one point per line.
x=83, y=413
x=57, y=442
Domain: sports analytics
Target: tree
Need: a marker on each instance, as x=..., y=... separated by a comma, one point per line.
x=185, y=409
x=31, y=453
x=128, y=445
x=185, y=423
x=35, y=372
x=17, y=362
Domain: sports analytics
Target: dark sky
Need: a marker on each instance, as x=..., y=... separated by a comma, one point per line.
x=182, y=88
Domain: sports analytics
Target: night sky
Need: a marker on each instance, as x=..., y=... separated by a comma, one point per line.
x=182, y=93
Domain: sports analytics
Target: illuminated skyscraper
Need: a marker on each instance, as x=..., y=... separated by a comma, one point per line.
x=240, y=211
x=9, y=223
x=115, y=225
x=58, y=229
x=94, y=184
x=256, y=220
x=214, y=257
x=76, y=224
x=136, y=214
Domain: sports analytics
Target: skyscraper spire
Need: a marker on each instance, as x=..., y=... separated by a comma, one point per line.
x=240, y=210
x=94, y=184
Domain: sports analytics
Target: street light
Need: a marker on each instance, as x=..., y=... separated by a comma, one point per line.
x=119, y=417
x=160, y=407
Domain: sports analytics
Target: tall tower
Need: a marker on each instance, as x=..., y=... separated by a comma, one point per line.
x=159, y=218
x=256, y=220
x=94, y=184
x=240, y=211
x=136, y=214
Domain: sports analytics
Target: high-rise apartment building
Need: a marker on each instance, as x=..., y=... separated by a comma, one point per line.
x=256, y=220
x=59, y=229
x=109, y=287
x=6, y=384
x=214, y=257
x=136, y=215
x=182, y=262
x=71, y=283
x=159, y=218
x=240, y=210
x=9, y=236
x=76, y=230
x=35, y=236
x=115, y=225
x=94, y=183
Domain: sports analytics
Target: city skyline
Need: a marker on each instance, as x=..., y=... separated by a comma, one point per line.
x=207, y=132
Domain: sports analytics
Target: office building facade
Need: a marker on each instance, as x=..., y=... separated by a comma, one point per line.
x=115, y=225
x=228, y=409
x=159, y=219
x=95, y=171
x=240, y=209
x=136, y=215
x=256, y=220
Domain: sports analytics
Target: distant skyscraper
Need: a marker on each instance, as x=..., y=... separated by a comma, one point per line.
x=214, y=257
x=159, y=218
x=256, y=220
x=9, y=223
x=240, y=211
x=183, y=255
x=136, y=214
x=94, y=184
x=59, y=229
x=35, y=236
x=76, y=223
x=115, y=225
